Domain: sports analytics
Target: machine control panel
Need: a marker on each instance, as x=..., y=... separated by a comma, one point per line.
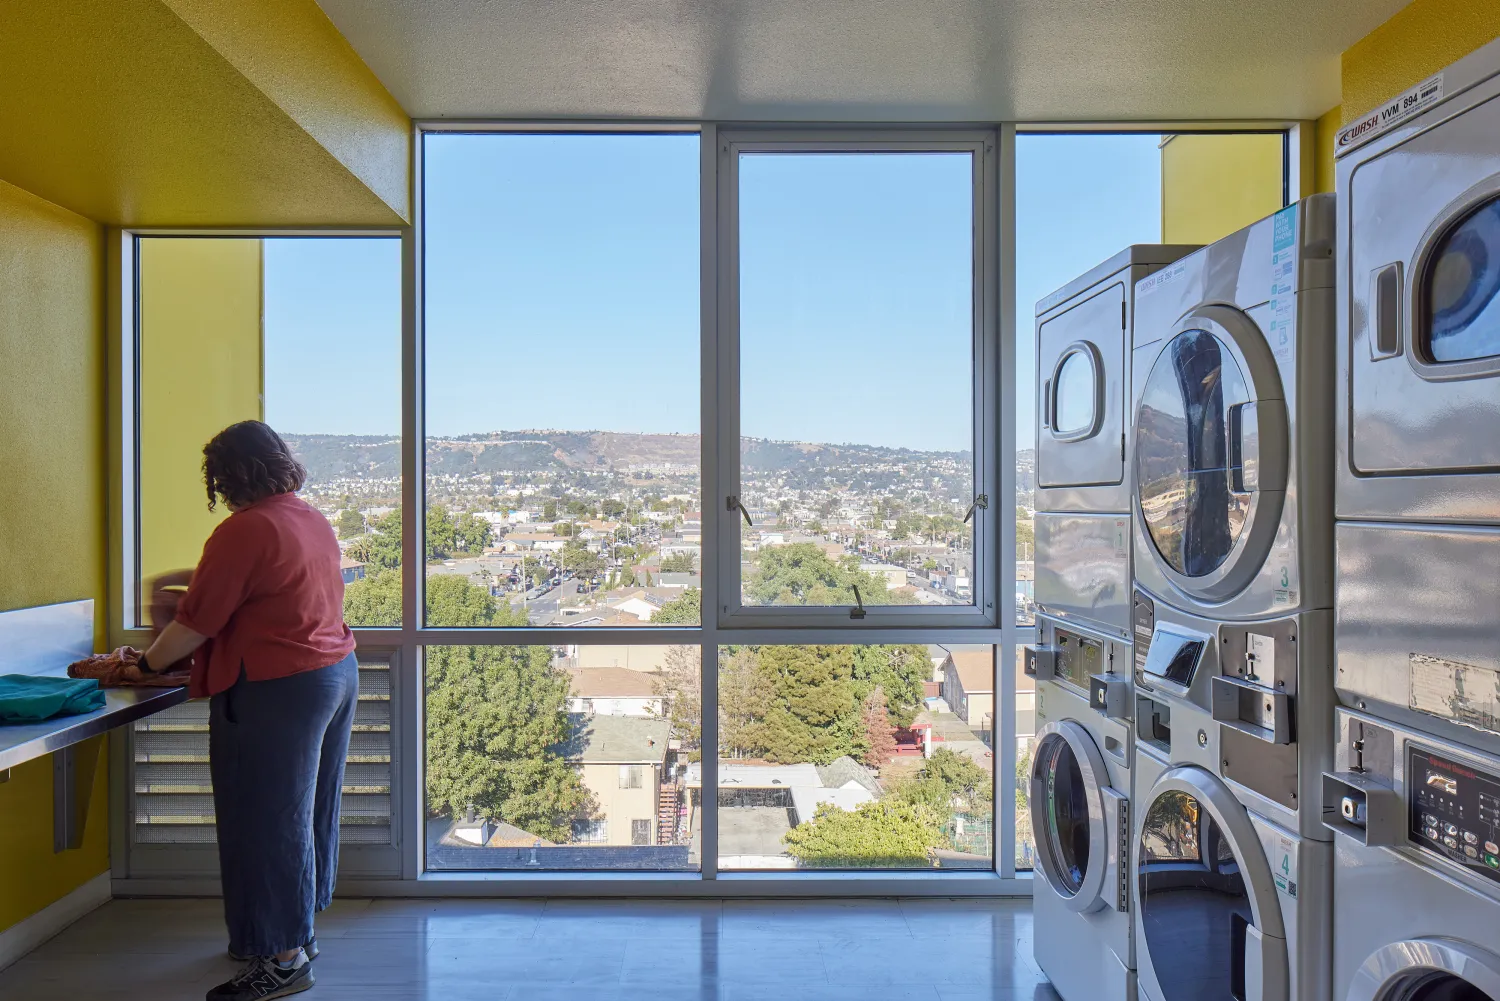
x=1454, y=811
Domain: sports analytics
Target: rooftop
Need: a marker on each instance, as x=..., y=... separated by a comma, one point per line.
x=615, y=739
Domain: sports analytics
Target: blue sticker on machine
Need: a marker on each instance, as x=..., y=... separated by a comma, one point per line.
x=1283, y=280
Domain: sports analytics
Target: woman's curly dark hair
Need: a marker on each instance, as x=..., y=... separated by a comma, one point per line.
x=247, y=462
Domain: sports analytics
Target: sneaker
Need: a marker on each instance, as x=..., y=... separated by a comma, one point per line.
x=311, y=948
x=266, y=978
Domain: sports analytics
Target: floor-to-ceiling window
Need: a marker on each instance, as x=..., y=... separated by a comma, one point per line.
x=679, y=476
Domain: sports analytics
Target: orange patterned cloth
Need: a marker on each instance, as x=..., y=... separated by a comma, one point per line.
x=119, y=669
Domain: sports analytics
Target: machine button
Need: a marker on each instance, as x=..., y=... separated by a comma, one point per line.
x=1470, y=838
x=1493, y=861
x=1451, y=830
x=1430, y=833
x=1429, y=820
x=1471, y=851
x=1451, y=843
x=1492, y=848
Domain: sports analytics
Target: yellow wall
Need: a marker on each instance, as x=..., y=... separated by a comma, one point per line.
x=1212, y=185
x=1421, y=39
x=52, y=498
x=1327, y=129
x=200, y=308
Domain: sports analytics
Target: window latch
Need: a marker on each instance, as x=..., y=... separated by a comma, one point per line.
x=981, y=502
x=858, y=612
x=732, y=503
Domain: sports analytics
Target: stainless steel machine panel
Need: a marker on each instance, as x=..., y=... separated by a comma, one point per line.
x=1419, y=294
x=1415, y=626
x=1083, y=383
x=1083, y=567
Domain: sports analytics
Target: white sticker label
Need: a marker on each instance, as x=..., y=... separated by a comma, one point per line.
x=1165, y=276
x=1423, y=95
x=1121, y=528
x=1464, y=693
x=1260, y=654
x=1284, y=865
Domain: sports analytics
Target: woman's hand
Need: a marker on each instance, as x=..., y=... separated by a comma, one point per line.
x=175, y=643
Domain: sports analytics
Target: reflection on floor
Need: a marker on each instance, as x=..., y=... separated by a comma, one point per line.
x=538, y=950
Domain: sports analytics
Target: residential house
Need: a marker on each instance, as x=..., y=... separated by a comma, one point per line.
x=352, y=570
x=614, y=691
x=646, y=659
x=969, y=685
x=622, y=761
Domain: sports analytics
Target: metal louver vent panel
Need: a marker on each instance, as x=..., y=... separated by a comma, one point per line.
x=173, y=801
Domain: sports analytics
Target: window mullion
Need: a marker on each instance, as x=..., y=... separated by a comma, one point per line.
x=712, y=416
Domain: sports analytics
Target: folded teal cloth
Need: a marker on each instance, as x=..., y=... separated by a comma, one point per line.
x=25, y=698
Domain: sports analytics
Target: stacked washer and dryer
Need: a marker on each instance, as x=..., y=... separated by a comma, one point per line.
x=1232, y=614
x=1414, y=795
x=1080, y=774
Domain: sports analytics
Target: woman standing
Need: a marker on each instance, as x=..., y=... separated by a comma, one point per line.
x=267, y=604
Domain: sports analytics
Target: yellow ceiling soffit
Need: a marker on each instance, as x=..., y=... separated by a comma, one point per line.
x=122, y=112
x=293, y=53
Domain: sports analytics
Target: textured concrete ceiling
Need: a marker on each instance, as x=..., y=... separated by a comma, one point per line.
x=946, y=60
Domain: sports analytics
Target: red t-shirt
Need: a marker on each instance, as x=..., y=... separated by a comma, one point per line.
x=269, y=594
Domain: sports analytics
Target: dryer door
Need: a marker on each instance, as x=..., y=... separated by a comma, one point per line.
x=1211, y=453
x=1081, y=357
x=1210, y=924
x=1424, y=317
x=1428, y=969
x=1077, y=818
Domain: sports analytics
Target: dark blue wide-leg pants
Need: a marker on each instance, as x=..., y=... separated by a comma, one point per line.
x=276, y=751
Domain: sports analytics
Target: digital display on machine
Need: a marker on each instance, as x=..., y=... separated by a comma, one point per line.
x=1454, y=812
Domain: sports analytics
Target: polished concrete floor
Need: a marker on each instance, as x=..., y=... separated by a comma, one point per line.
x=539, y=950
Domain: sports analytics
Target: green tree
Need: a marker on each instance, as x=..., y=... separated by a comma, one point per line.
x=582, y=562
x=611, y=508
x=929, y=565
x=471, y=533
x=549, y=511
x=496, y=717
x=877, y=834
x=381, y=549
x=899, y=672
x=803, y=574
x=564, y=529
x=685, y=609
x=813, y=709
x=680, y=686
x=678, y=563
x=815, y=527
x=351, y=524
x=949, y=783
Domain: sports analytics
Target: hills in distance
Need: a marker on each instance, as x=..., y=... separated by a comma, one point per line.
x=329, y=457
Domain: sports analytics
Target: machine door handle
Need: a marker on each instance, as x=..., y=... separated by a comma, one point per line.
x=1385, y=312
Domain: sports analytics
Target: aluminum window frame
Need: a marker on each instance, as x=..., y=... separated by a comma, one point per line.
x=995, y=452
x=983, y=146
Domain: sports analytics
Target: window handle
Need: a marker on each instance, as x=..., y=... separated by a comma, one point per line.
x=982, y=502
x=732, y=503
x=858, y=612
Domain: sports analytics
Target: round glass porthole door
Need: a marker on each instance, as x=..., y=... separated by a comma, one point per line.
x=1206, y=450
x=1427, y=969
x=1068, y=812
x=1194, y=901
x=1461, y=299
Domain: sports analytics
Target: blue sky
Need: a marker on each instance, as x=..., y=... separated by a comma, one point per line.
x=562, y=288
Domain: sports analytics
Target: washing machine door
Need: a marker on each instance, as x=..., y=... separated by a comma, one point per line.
x=1211, y=453
x=1077, y=817
x=1209, y=921
x=1081, y=355
x=1428, y=969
